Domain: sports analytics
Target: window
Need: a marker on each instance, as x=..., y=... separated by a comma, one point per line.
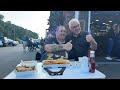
x=82, y=23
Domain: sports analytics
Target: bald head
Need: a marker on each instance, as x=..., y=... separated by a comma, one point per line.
x=61, y=32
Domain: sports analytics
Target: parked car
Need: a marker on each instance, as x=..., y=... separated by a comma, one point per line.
x=15, y=42
x=12, y=42
x=1, y=44
x=4, y=41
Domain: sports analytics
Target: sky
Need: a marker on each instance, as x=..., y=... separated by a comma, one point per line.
x=35, y=21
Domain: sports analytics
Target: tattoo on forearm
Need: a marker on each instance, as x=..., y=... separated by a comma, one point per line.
x=56, y=47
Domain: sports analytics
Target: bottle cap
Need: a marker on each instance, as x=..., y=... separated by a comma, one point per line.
x=92, y=53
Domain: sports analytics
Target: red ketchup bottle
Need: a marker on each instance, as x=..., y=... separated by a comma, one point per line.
x=92, y=62
x=89, y=64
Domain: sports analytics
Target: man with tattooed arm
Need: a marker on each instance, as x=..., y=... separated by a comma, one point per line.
x=57, y=47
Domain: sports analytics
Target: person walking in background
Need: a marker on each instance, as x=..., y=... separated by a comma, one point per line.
x=42, y=44
x=42, y=41
x=111, y=37
x=25, y=43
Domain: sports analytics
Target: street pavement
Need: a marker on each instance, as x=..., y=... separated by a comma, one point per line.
x=11, y=56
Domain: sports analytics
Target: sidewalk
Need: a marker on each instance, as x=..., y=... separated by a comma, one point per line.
x=102, y=59
x=109, y=68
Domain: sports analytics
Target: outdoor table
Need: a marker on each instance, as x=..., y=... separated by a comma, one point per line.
x=72, y=72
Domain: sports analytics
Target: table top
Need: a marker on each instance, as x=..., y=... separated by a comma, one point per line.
x=69, y=73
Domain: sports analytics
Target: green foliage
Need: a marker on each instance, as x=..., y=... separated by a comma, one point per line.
x=1, y=17
x=56, y=18
x=9, y=30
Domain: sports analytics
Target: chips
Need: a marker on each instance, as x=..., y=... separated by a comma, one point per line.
x=24, y=68
x=55, y=62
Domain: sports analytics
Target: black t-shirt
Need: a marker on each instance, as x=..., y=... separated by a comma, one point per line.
x=80, y=46
x=63, y=54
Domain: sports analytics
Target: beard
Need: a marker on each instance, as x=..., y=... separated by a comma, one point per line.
x=61, y=37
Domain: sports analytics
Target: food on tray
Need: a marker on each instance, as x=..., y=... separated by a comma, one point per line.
x=55, y=62
x=25, y=68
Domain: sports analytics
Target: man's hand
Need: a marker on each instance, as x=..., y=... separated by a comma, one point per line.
x=58, y=47
x=89, y=38
x=93, y=43
x=50, y=36
x=67, y=46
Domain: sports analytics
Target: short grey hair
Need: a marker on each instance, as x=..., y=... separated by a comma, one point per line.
x=73, y=20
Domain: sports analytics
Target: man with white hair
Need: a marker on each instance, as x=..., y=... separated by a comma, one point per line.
x=81, y=41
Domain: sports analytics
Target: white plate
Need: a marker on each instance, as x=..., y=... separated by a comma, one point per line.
x=56, y=65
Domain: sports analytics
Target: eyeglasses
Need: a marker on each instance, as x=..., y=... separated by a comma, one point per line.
x=73, y=27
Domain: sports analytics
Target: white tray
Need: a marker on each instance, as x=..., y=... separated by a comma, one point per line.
x=56, y=65
x=26, y=73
